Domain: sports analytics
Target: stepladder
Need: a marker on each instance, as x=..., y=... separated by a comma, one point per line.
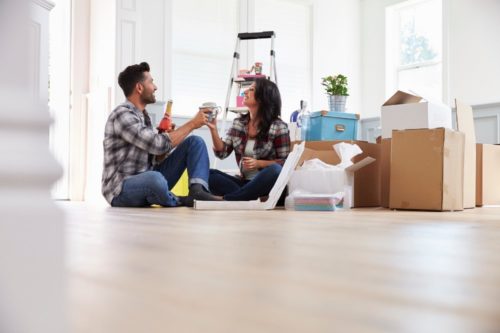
x=239, y=81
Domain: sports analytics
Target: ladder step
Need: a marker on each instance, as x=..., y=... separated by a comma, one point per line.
x=240, y=109
x=255, y=35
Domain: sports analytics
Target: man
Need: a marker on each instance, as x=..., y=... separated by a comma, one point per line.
x=133, y=176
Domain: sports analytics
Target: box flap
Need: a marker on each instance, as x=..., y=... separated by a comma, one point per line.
x=401, y=97
x=328, y=156
x=324, y=151
x=465, y=124
x=274, y=194
x=364, y=162
x=321, y=145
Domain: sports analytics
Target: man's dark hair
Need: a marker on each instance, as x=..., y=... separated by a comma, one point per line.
x=131, y=76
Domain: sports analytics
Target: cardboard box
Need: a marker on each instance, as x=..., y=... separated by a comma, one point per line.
x=366, y=183
x=385, y=172
x=465, y=124
x=405, y=111
x=427, y=169
x=488, y=176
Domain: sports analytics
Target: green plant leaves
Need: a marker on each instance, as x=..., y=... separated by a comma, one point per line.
x=335, y=85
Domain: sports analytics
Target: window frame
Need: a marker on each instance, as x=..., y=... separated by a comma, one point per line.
x=393, y=48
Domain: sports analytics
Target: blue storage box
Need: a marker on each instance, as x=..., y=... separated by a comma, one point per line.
x=328, y=126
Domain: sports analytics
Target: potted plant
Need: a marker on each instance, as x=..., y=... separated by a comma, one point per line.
x=336, y=88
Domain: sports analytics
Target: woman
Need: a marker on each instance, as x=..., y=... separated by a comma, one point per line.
x=261, y=142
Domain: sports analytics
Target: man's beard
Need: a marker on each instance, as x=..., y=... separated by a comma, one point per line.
x=148, y=99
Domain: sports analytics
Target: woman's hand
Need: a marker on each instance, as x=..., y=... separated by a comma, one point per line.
x=214, y=133
x=250, y=163
x=212, y=124
x=212, y=117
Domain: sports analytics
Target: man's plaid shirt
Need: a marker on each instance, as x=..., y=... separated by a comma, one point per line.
x=276, y=145
x=129, y=145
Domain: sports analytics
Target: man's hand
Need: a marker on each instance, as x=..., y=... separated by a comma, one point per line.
x=173, y=128
x=165, y=124
x=199, y=119
x=180, y=134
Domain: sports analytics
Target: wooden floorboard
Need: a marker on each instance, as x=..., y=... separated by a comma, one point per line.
x=360, y=270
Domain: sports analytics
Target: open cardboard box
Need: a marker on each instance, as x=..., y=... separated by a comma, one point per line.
x=406, y=111
x=363, y=177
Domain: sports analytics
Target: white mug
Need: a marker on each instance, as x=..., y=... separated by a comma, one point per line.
x=214, y=109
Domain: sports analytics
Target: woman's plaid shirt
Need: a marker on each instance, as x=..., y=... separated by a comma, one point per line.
x=130, y=142
x=276, y=145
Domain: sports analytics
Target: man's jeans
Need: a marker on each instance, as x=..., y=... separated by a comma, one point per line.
x=153, y=187
x=234, y=188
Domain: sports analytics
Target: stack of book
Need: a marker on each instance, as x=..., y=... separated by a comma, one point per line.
x=316, y=202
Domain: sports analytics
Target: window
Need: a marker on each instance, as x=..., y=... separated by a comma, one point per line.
x=204, y=32
x=203, y=40
x=293, y=48
x=414, y=48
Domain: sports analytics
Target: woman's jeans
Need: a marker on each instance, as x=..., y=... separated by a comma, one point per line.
x=153, y=187
x=236, y=189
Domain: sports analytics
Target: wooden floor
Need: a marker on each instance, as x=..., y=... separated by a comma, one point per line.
x=364, y=270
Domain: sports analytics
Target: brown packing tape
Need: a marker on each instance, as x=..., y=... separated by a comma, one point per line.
x=479, y=175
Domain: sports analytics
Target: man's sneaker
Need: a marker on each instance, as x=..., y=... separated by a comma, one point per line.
x=197, y=192
x=205, y=196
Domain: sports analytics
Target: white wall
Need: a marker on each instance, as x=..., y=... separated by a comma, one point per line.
x=337, y=49
x=79, y=87
x=102, y=80
x=474, y=50
x=143, y=34
x=470, y=61
x=373, y=55
x=60, y=90
x=156, y=43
